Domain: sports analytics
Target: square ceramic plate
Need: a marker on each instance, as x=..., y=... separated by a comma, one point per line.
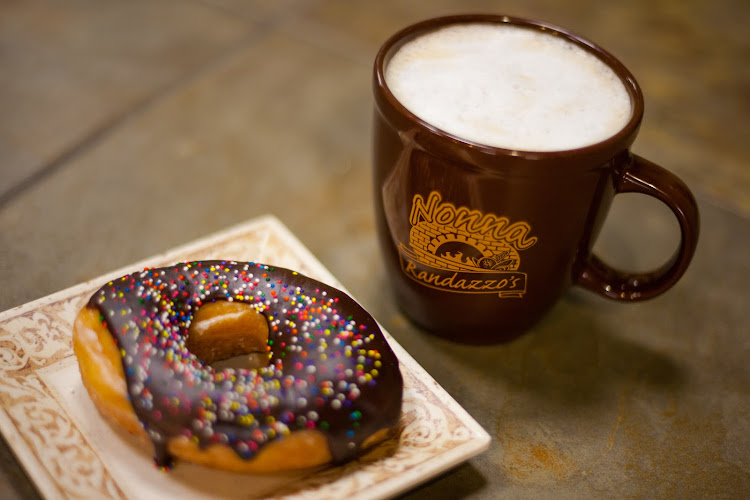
x=69, y=451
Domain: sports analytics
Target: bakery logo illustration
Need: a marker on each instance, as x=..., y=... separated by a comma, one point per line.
x=457, y=249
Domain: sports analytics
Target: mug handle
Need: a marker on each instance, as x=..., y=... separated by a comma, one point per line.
x=639, y=175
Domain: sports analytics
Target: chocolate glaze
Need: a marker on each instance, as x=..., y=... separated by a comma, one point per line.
x=330, y=368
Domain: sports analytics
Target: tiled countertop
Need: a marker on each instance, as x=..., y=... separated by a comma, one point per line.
x=128, y=128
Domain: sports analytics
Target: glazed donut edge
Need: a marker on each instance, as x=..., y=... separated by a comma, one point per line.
x=332, y=387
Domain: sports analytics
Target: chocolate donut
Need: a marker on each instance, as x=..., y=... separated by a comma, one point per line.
x=330, y=377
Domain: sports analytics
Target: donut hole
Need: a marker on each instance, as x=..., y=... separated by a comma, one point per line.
x=227, y=334
x=248, y=361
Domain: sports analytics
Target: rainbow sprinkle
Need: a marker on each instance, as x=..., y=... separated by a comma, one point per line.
x=329, y=367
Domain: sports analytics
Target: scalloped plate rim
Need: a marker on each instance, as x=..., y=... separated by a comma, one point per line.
x=432, y=466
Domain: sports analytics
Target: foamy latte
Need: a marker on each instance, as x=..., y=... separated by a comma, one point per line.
x=509, y=87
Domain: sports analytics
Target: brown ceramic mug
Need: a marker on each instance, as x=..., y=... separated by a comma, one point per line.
x=480, y=241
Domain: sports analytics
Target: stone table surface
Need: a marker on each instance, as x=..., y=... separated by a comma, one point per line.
x=128, y=128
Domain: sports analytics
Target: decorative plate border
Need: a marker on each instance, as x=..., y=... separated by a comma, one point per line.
x=53, y=445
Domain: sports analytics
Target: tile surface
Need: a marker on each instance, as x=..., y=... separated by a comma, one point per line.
x=201, y=160
x=128, y=128
x=72, y=69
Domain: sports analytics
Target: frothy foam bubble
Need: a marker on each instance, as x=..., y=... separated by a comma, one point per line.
x=509, y=87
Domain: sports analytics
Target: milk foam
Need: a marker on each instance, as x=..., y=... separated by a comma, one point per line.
x=509, y=87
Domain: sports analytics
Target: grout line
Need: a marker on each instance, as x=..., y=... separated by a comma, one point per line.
x=70, y=153
x=258, y=27
x=262, y=27
x=105, y=129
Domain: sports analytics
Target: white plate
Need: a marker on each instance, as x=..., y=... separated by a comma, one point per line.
x=69, y=451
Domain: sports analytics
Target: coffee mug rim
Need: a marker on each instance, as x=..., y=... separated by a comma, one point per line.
x=624, y=135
